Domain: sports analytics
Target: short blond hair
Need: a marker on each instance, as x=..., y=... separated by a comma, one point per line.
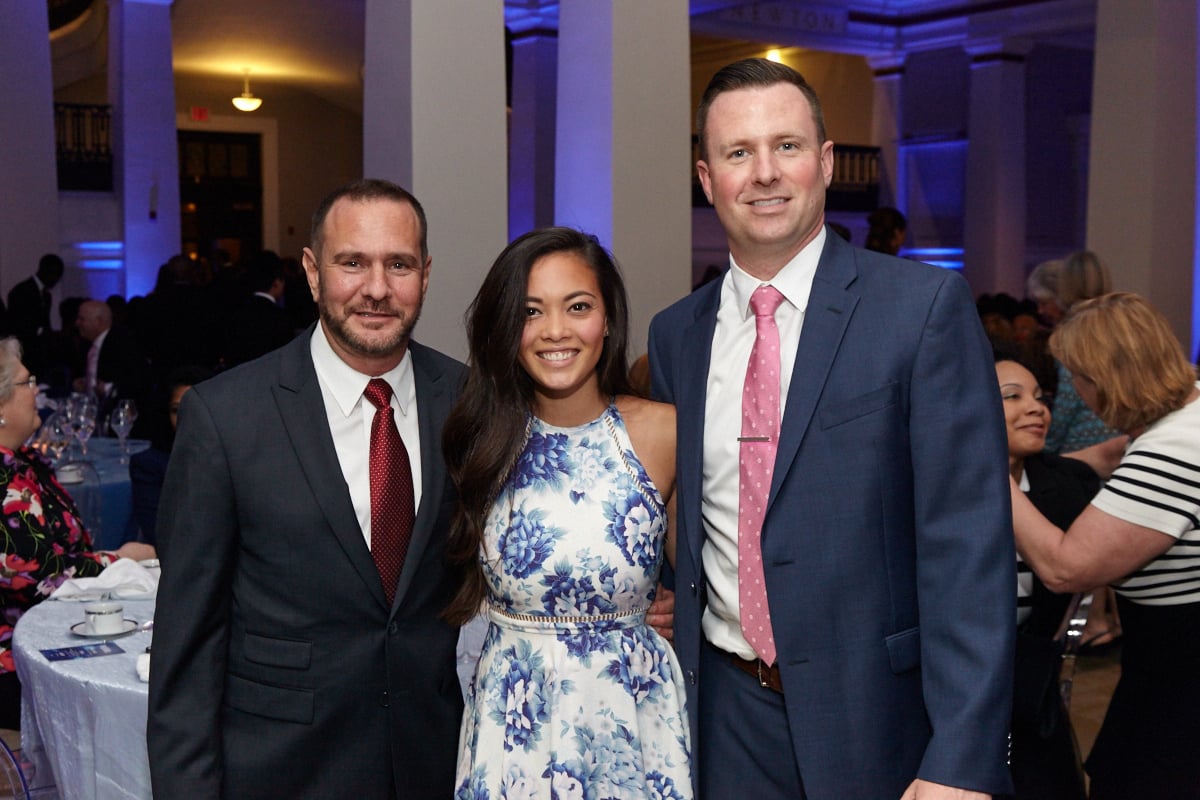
x=1082, y=276
x=1126, y=348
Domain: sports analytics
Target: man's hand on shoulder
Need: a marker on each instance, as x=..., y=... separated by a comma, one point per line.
x=923, y=790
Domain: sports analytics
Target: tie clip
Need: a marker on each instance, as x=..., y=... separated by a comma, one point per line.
x=754, y=438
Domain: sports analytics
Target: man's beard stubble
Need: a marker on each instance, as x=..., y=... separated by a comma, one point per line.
x=338, y=329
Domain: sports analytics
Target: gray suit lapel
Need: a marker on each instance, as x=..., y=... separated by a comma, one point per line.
x=830, y=307
x=302, y=408
x=434, y=401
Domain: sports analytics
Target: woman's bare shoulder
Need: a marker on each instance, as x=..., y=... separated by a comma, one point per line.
x=639, y=410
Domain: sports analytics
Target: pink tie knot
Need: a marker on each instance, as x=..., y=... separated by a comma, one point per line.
x=765, y=300
x=379, y=393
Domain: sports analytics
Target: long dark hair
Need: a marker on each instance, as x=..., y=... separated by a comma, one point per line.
x=486, y=429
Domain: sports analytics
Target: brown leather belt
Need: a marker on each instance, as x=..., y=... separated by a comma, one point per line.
x=767, y=676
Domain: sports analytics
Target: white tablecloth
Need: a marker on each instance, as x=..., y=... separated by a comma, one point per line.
x=84, y=719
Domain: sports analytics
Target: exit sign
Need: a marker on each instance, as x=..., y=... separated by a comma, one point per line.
x=199, y=114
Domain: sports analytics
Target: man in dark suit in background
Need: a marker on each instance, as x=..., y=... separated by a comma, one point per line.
x=879, y=661
x=282, y=665
x=258, y=324
x=29, y=305
x=114, y=366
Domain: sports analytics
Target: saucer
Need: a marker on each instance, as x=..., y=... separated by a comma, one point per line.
x=128, y=626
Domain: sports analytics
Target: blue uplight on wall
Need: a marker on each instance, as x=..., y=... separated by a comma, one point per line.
x=100, y=255
x=945, y=257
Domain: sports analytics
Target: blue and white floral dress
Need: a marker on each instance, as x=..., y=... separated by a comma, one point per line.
x=575, y=696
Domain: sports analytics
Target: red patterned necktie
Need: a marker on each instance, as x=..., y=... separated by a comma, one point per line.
x=392, y=506
x=756, y=464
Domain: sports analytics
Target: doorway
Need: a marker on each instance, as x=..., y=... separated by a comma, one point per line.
x=220, y=194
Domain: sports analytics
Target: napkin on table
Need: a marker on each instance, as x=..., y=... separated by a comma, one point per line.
x=124, y=578
x=143, y=667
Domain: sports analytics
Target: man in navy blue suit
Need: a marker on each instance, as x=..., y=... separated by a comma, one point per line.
x=886, y=544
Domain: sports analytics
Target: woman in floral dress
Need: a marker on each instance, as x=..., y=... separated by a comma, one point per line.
x=564, y=480
x=44, y=541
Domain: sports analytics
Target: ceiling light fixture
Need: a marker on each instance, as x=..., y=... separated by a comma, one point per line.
x=246, y=101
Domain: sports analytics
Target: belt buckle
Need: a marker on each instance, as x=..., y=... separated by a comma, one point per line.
x=762, y=681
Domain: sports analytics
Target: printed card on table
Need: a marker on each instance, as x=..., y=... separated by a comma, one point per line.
x=82, y=651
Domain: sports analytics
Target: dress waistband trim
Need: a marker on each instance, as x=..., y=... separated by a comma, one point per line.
x=611, y=620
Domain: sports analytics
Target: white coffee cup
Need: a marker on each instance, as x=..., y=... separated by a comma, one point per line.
x=104, y=619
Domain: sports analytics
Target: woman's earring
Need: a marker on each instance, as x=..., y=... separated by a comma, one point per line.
x=3, y=423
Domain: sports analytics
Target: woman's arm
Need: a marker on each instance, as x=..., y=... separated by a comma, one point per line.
x=1102, y=457
x=1097, y=549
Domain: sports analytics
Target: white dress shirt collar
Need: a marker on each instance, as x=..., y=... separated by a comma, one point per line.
x=794, y=281
x=347, y=384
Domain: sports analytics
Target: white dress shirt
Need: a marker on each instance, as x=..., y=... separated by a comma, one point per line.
x=92, y=376
x=732, y=341
x=350, y=416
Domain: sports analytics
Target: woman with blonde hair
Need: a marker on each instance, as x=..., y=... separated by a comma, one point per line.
x=1140, y=534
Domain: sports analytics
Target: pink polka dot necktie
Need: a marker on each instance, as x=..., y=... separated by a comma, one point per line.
x=392, y=507
x=756, y=464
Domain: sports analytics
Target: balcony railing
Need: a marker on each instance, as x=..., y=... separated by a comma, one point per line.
x=83, y=136
x=84, y=139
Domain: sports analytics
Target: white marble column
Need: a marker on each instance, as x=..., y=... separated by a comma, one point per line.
x=624, y=142
x=994, y=207
x=887, y=123
x=28, y=173
x=434, y=122
x=1142, y=178
x=141, y=86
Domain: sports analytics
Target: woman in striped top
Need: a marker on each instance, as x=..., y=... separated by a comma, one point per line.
x=1141, y=534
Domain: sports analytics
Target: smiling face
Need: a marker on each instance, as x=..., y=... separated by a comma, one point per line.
x=766, y=174
x=369, y=280
x=563, y=338
x=1025, y=413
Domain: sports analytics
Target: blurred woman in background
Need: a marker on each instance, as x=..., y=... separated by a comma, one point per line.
x=1045, y=759
x=1140, y=534
x=44, y=540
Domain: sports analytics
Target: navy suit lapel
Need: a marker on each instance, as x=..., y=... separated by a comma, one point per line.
x=830, y=307
x=691, y=393
x=434, y=396
x=302, y=408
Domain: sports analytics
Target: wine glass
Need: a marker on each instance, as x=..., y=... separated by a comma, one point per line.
x=121, y=420
x=57, y=435
x=81, y=413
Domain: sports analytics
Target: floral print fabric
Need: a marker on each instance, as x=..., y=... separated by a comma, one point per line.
x=574, y=695
x=44, y=542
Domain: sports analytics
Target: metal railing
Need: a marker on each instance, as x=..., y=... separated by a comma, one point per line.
x=83, y=140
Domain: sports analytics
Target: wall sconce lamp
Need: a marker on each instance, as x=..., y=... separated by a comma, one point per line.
x=246, y=101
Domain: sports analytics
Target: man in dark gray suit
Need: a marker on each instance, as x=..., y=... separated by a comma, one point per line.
x=280, y=667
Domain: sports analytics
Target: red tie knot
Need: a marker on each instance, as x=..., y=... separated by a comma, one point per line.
x=379, y=393
x=765, y=300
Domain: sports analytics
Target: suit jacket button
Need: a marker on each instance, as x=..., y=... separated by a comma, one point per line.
x=691, y=677
x=692, y=586
x=383, y=701
x=394, y=628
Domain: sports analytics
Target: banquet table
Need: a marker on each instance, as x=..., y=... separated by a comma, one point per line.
x=106, y=500
x=84, y=719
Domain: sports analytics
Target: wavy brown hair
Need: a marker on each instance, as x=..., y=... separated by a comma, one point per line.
x=1125, y=347
x=486, y=429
